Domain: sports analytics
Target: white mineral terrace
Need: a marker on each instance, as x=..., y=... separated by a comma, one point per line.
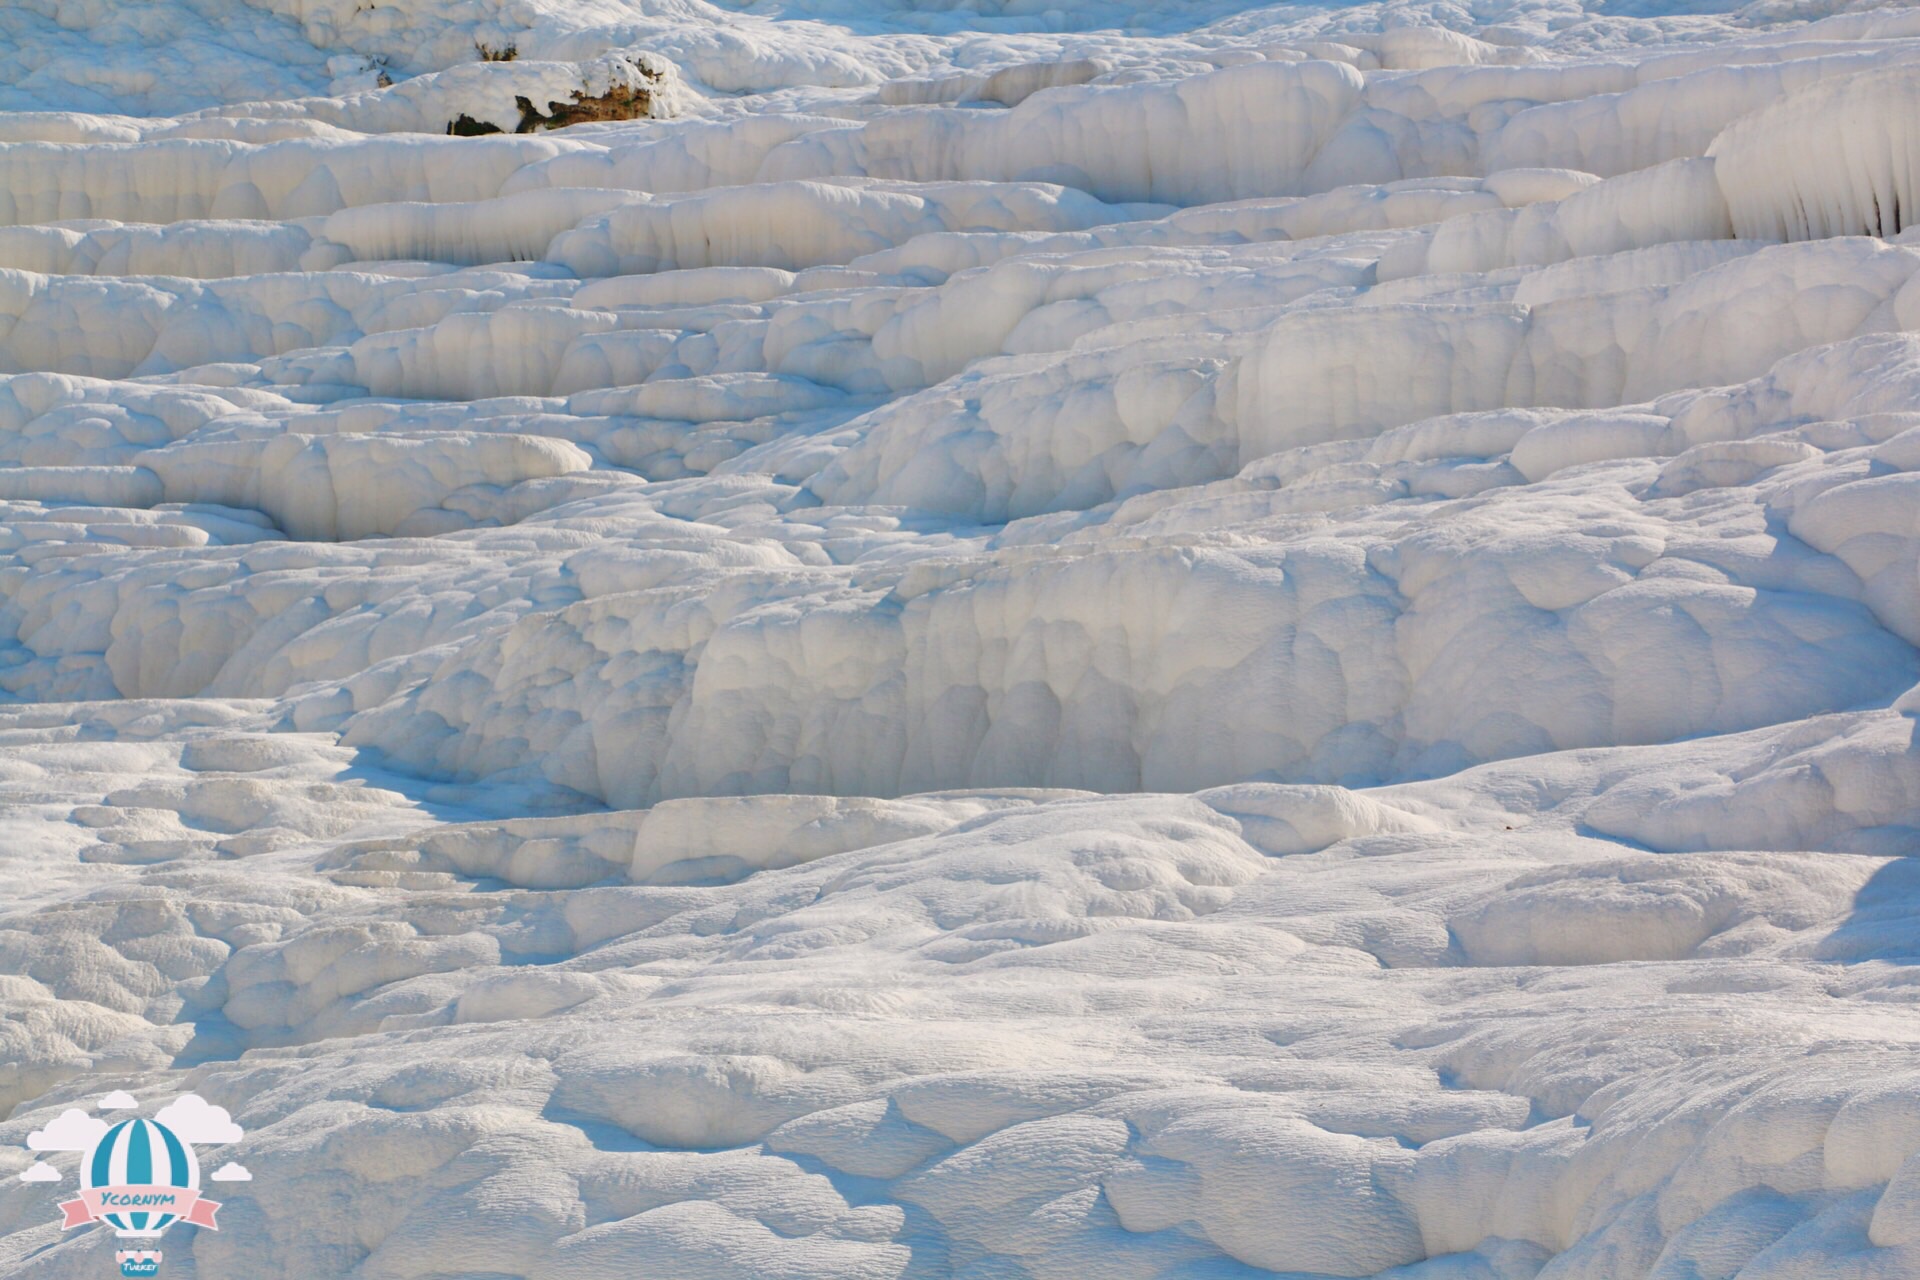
x=1015, y=640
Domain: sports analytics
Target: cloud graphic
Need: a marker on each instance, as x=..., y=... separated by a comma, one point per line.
x=193, y=1119
x=231, y=1172
x=75, y=1130
x=118, y=1100
x=41, y=1172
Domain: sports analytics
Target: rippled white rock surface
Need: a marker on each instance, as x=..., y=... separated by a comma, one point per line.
x=999, y=641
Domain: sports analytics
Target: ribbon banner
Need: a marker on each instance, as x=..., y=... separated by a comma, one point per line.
x=96, y=1203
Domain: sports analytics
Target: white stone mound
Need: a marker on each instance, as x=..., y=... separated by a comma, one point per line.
x=1836, y=159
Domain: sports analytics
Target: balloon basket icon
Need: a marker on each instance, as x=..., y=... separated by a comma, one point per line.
x=138, y=1262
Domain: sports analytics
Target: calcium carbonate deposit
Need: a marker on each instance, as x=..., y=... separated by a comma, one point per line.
x=1003, y=640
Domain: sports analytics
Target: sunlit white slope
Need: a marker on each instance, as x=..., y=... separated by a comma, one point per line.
x=1004, y=641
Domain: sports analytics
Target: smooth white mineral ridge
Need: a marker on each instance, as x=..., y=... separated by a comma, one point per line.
x=1017, y=641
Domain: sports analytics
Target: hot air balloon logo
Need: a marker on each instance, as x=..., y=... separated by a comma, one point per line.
x=138, y=1176
x=139, y=1179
